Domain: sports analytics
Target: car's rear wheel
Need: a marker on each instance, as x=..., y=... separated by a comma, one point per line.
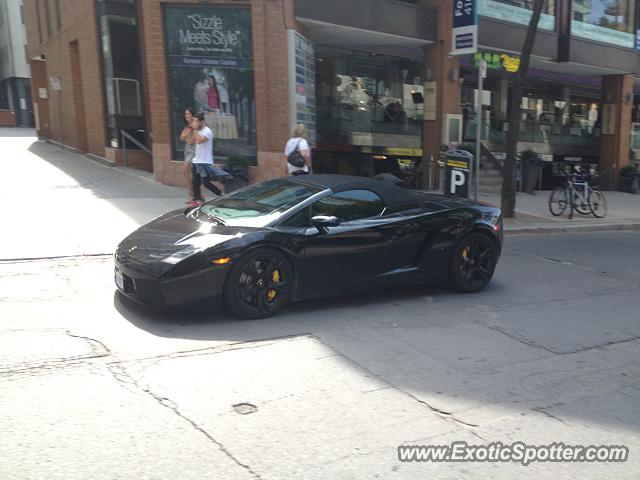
x=473, y=263
x=259, y=284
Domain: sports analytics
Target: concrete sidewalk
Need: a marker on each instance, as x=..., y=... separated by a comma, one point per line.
x=56, y=203
x=532, y=214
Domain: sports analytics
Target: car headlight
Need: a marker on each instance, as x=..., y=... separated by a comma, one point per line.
x=179, y=255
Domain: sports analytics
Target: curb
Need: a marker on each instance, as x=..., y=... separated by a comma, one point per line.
x=571, y=228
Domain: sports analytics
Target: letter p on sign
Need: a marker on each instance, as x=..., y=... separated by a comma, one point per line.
x=457, y=180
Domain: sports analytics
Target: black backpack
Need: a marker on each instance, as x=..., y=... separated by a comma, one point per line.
x=295, y=158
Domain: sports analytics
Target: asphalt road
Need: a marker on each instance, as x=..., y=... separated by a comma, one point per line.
x=95, y=387
x=92, y=386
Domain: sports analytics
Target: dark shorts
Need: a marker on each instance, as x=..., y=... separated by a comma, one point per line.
x=211, y=171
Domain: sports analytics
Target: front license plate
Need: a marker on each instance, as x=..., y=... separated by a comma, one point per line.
x=119, y=280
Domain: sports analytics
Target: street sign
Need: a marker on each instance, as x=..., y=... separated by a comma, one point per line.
x=465, y=27
x=483, y=68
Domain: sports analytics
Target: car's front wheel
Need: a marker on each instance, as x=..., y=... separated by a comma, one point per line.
x=259, y=284
x=473, y=263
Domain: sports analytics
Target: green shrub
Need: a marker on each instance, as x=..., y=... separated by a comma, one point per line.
x=628, y=170
x=529, y=155
x=467, y=147
x=237, y=162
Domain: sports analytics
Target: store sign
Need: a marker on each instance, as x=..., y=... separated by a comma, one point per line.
x=302, y=78
x=501, y=10
x=465, y=27
x=497, y=61
x=210, y=68
x=397, y=151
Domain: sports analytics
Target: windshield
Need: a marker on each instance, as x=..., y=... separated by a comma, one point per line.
x=257, y=205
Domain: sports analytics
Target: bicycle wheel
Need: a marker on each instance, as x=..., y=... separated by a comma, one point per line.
x=598, y=203
x=558, y=201
x=579, y=205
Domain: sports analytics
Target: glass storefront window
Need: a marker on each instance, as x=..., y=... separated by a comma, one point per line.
x=608, y=21
x=519, y=11
x=364, y=98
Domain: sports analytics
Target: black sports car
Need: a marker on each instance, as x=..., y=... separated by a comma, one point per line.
x=308, y=236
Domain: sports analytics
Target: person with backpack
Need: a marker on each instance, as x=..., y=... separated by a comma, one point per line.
x=298, y=153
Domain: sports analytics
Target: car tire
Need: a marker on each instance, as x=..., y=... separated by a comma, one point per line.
x=259, y=284
x=473, y=263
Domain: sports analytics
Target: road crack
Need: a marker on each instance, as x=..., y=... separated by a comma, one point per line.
x=519, y=339
x=545, y=411
x=121, y=375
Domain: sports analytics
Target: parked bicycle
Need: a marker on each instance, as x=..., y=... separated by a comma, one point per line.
x=578, y=194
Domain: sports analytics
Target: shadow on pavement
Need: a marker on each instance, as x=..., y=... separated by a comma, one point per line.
x=311, y=316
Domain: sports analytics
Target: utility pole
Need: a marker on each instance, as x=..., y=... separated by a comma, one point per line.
x=482, y=73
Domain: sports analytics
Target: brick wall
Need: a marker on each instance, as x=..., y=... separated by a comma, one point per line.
x=40, y=105
x=78, y=25
x=448, y=91
x=614, y=148
x=135, y=158
x=7, y=118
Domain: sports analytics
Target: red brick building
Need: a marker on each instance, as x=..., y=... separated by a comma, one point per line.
x=373, y=81
x=102, y=67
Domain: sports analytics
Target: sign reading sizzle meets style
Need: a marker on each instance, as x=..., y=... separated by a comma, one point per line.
x=465, y=27
x=210, y=69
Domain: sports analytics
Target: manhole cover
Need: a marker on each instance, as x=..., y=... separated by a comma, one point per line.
x=244, y=408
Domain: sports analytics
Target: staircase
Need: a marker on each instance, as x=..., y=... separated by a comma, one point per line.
x=490, y=180
x=490, y=172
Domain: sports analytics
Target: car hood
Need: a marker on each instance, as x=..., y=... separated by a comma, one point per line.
x=172, y=233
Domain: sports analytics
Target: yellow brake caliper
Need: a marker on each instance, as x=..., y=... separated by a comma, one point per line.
x=271, y=293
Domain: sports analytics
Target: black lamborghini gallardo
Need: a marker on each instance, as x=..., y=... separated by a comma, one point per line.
x=295, y=238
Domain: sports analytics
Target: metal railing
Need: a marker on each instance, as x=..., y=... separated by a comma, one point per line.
x=125, y=136
x=534, y=132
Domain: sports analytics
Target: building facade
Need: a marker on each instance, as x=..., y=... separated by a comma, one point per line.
x=372, y=80
x=15, y=84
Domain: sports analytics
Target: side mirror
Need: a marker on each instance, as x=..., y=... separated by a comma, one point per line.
x=323, y=222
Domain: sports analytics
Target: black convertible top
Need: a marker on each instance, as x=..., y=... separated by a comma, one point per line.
x=391, y=194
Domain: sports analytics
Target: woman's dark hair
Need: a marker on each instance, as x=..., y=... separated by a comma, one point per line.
x=192, y=111
x=215, y=85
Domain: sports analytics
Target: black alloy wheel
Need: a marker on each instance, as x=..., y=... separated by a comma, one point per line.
x=259, y=284
x=473, y=263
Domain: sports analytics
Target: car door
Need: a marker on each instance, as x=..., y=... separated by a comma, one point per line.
x=354, y=252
